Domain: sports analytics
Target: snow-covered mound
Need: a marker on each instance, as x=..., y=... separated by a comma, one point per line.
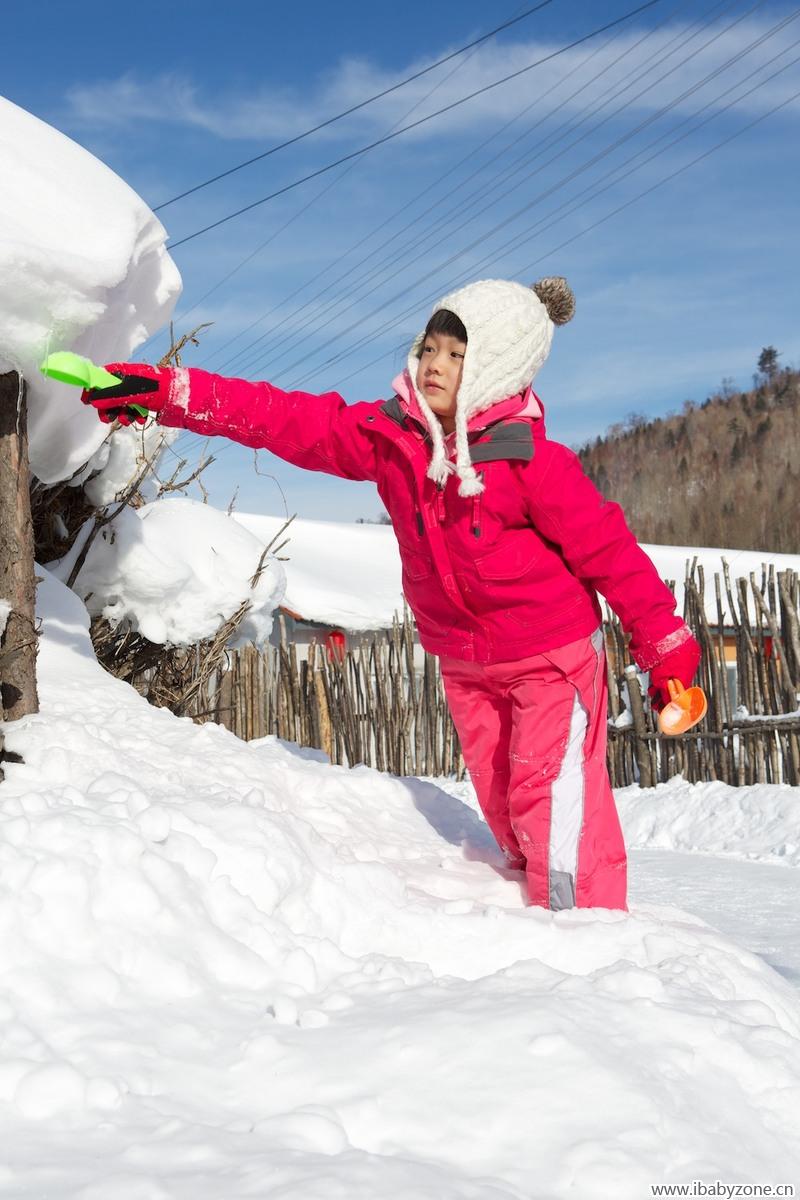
x=235, y=970
x=349, y=575
x=761, y=823
x=175, y=571
x=83, y=267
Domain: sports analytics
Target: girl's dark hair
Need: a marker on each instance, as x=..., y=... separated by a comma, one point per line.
x=445, y=322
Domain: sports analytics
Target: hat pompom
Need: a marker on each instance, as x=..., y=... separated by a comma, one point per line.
x=557, y=297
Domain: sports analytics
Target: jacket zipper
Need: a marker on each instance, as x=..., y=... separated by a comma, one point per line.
x=441, y=511
x=476, y=511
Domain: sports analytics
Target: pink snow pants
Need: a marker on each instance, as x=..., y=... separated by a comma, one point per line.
x=533, y=735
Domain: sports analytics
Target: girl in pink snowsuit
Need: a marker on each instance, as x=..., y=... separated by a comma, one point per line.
x=504, y=544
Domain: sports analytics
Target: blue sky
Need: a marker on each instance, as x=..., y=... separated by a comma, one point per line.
x=678, y=290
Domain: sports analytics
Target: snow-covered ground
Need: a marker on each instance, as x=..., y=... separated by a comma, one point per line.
x=234, y=970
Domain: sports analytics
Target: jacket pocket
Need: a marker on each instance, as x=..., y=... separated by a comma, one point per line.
x=416, y=566
x=507, y=562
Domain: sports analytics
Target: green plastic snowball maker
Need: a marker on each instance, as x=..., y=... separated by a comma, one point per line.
x=67, y=367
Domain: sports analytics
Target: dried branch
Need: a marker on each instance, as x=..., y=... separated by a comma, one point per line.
x=172, y=486
x=268, y=475
x=173, y=355
x=105, y=517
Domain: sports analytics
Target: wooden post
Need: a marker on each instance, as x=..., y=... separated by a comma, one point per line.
x=225, y=694
x=17, y=583
x=323, y=710
x=646, y=773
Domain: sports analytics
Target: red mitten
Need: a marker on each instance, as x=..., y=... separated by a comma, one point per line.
x=141, y=389
x=681, y=663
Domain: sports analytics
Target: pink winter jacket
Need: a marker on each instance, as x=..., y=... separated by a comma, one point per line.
x=509, y=573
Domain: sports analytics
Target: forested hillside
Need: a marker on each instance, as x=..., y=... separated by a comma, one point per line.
x=722, y=473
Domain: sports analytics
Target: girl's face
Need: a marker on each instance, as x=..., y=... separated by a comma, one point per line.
x=441, y=364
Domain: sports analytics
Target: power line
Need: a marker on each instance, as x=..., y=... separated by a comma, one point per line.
x=333, y=183
x=448, y=173
x=565, y=180
x=609, y=215
x=414, y=125
x=619, y=208
x=447, y=176
x=641, y=71
x=356, y=107
x=496, y=185
x=514, y=243
x=686, y=166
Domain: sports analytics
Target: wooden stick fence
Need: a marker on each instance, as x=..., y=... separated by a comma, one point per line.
x=368, y=706
x=759, y=741
x=372, y=706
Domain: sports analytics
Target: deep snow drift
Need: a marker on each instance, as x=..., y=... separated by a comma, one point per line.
x=83, y=266
x=235, y=970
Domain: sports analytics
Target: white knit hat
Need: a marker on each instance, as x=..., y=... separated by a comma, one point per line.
x=509, y=331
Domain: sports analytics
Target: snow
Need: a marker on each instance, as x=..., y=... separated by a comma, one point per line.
x=121, y=459
x=176, y=570
x=742, y=713
x=350, y=575
x=83, y=267
x=753, y=903
x=347, y=575
x=5, y=613
x=760, y=822
x=235, y=970
x=671, y=563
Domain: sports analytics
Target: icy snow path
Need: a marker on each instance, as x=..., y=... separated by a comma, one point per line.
x=235, y=971
x=752, y=903
x=740, y=885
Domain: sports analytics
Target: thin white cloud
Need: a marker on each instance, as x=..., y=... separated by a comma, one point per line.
x=272, y=114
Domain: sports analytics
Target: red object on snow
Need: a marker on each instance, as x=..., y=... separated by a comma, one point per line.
x=335, y=644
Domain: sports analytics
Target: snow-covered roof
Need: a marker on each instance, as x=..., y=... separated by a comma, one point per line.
x=349, y=574
x=337, y=573
x=83, y=267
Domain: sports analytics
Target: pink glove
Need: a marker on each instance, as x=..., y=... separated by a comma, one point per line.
x=681, y=663
x=140, y=387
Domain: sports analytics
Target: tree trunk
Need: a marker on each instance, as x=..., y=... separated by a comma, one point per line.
x=17, y=583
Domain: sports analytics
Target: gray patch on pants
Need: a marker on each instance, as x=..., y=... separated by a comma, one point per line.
x=562, y=890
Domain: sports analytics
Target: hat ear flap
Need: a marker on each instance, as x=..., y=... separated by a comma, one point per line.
x=470, y=484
